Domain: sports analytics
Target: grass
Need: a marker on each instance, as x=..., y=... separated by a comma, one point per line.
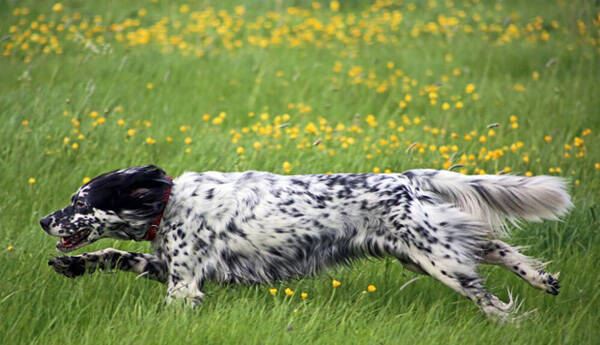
x=47, y=99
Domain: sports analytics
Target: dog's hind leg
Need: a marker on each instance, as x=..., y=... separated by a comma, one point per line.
x=444, y=243
x=529, y=269
x=146, y=265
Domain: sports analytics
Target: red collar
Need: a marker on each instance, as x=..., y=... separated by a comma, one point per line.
x=151, y=232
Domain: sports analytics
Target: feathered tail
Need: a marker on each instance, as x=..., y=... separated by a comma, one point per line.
x=496, y=199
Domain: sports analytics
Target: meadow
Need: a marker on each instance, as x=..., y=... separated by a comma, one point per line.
x=296, y=87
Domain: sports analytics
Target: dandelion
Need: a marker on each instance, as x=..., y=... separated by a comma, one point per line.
x=75, y=146
x=149, y=86
x=535, y=75
x=121, y=122
x=303, y=295
x=31, y=180
x=273, y=291
x=257, y=145
x=94, y=114
x=445, y=106
x=25, y=123
x=458, y=105
x=169, y=139
x=376, y=170
x=130, y=132
x=188, y=140
x=528, y=174
x=514, y=125
x=289, y=292
x=58, y=7
x=86, y=180
x=597, y=166
x=548, y=138
x=150, y=141
x=371, y=288
x=335, y=283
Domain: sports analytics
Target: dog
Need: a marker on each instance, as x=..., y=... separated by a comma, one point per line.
x=258, y=227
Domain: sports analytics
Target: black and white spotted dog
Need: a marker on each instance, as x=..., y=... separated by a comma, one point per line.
x=257, y=227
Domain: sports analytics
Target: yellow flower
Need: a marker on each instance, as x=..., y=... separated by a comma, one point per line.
x=273, y=291
x=535, y=75
x=335, y=283
x=131, y=132
x=31, y=180
x=169, y=139
x=335, y=6
x=149, y=86
x=240, y=150
x=58, y=7
x=188, y=140
x=9, y=248
x=519, y=88
x=514, y=125
x=86, y=180
x=75, y=146
x=257, y=145
x=597, y=166
x=585, y=132
x=482, y=139
x=377, y=171
x=303, y=295
x=25, y=123
x=445, y=106
x=287, y=167
x=150, y=141
x=529, y=174
x=121, y=122
x=289, y=292
x=548, y=138
x=470, y=88
x=94, y=114
x=458, y=105
x=101, y=120
x=513, y=118
x=188, y=150
x=371, y=288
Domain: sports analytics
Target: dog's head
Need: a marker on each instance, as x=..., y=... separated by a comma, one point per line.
x=121, y=204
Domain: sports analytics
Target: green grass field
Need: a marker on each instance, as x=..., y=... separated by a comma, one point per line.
x=296, y=87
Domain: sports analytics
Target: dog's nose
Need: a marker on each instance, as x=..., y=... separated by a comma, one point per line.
x=45, y=223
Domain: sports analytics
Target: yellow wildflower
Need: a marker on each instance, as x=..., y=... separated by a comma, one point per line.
x=548, y=138
x=335, y=283
x=150, y=141
x=304, y=295
x=289, y=292
x=273, y=291
x=188, y=140
x=86, y=180
x=335, y=6
x=287, y=167
x=58, y=7
x=470, y=88
x=31, y=180
x=257, y=145
x=371, y=288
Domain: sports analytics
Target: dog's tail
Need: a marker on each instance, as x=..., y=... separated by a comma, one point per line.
x=496, y=199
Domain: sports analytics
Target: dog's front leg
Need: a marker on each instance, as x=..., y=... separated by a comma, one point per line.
x=147, y=265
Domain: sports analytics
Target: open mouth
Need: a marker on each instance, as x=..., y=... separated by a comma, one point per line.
x=69, y=243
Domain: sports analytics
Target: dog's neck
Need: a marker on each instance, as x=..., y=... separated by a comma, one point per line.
x=151, y=232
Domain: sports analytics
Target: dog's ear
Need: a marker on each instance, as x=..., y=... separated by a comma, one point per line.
x=145, y=189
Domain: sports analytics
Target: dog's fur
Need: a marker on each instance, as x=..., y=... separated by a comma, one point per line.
x=257, y=227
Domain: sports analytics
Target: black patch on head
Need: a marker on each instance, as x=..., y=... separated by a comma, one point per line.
x=138, y=189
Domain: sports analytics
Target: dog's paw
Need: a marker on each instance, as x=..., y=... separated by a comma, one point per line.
x=552, y=286
x=68, y=266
